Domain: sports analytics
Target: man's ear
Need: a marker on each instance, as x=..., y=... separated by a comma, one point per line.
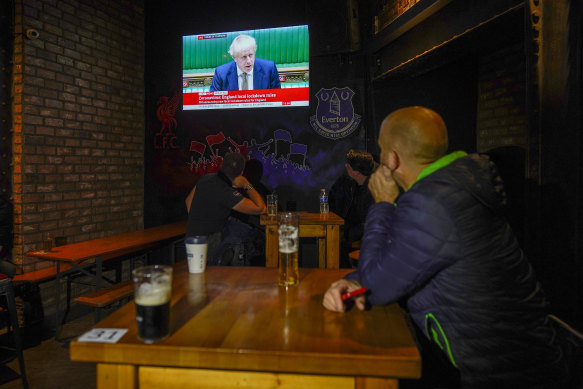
x=393, y=160
x=349, y=170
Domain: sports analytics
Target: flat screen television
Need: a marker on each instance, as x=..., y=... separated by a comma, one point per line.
x=286, y=48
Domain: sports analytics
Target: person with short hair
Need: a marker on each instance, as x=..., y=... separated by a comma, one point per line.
x=444, y=250
x=245, y=72
x=214, y=196
x=350, y=198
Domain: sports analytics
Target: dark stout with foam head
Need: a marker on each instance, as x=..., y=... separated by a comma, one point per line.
x=153, y=319
x=153, y=287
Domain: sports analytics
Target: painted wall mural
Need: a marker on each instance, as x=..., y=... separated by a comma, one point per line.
x=283, y=159
x=298, y=153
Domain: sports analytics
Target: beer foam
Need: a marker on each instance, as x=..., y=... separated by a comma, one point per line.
x=157, y=296
x=288, y=239
x=288, y=231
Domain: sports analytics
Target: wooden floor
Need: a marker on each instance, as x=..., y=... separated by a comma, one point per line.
x=48, y=365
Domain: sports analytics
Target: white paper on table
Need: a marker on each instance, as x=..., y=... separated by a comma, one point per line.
x=103, y=335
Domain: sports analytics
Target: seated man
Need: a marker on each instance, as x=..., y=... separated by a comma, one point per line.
x=243, y=242
x=245, y=71
x=350, y=197
x=445, y=250
x=210, y=202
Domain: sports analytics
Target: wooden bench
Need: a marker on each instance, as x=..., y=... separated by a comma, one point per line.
x=107, y=296
x=49, y=273
x=92, y=254
x=65, y=270
x=41, y=275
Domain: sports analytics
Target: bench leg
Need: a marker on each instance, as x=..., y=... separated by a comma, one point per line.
x=98, y=274
x=57, y=301
x=68, y=308
x=118, y=271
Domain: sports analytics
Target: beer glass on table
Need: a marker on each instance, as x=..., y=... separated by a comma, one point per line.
x=288, y=234
x=272, y=204
x=152, y=292
x=47, y=243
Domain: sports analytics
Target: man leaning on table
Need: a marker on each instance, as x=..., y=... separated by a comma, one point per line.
x=444, y=250
x=212, y=199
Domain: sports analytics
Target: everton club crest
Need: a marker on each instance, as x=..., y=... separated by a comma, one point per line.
x=335, y=117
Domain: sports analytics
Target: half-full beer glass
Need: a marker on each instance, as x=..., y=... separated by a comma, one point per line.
x=272, y=204
x=288, y=232
x=153, y=288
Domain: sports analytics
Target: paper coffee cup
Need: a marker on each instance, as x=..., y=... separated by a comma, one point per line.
x=196, y=253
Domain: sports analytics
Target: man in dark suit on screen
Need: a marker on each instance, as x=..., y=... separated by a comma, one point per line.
x=245, y=72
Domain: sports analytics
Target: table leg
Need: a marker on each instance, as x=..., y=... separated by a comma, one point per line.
x=57, y=300
x=98, y=274
x=116, y=376
x=322, y=253
x=332, y=246
x=271, y=246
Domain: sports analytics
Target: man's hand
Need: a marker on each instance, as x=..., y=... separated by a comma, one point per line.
x=240, y=182
x=333, y=301
x=383, y=186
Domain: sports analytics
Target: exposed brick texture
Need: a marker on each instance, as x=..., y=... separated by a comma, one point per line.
x=501, y=119
x=78, y=140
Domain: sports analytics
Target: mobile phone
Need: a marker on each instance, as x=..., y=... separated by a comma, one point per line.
x=354, y=293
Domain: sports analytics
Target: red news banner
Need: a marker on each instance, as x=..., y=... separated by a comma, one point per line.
x=250, y=98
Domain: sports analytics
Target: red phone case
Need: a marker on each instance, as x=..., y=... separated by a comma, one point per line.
x=356, y=292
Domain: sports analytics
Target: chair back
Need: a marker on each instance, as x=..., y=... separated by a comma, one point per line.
x=572, y=345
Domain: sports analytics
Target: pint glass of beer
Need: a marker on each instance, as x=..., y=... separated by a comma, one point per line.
x=288, y=233
x=47, y=243
x=152, y=290
x=272, y=204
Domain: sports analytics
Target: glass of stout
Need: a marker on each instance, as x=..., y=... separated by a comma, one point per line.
x=152, y=291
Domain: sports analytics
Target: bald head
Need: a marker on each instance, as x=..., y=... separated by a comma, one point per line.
x=418, y=134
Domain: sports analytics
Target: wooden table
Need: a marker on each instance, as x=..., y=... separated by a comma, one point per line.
x=76, y=255
x=233, y=326
x=325, y=227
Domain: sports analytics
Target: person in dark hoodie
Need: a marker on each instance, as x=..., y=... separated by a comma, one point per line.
x=443, y=249
x=350, y=198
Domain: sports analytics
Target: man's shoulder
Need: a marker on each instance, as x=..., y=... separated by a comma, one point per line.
x=210, y=179
x=264, y=62
x=225, y=68
x=207, y=177
x=343, y=182
x=212, y=183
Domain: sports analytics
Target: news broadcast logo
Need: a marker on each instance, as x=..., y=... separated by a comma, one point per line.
x=335, y=117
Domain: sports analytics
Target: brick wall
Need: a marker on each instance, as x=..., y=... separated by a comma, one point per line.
x=501, y=119
x=78, y=112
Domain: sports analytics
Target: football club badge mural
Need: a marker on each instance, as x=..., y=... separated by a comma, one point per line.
x=335, y=117
x=166, y=138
